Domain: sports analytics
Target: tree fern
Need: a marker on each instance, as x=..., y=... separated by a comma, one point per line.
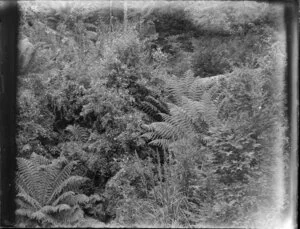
x=26, y=179
x=190, y=114
x=40, y=160
x=153, y=107
x=54, y=209
x=148, y=108
x=158, y=103
x=63, y=197
x=45, y=188
x=161, y=142
x=27, y=200
x=71, y=181
x=78, y=133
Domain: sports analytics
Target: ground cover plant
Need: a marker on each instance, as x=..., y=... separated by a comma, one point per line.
x=154, y=114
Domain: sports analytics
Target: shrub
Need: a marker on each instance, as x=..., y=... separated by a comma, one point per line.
x=144, y=191
x=216, y=55
x=45, y=195
x=244, y=149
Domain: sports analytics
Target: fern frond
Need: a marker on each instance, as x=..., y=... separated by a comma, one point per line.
x=189, y=74
x=194, y=108
x=51, y=190
x=80, y=199
x=29, y=200
x=38, y=180
x=211, y=114
x=149, y=135
x=157, y=103
x=182, y=119
x=174, y=122
x=72, y=216
x=48, y=209
x=71, y=198
x=27, y=176
x=24, y=205
x=197, y=89
x=149, y=108
x=39, y=160
x=71, y=181
x=166, y=117
x=164, y=143
x=24, y=212
x=175, y=90
x=42, y=217
x=164, y=130
x=59, y=163
x=63, y=197
x=178, y=87
x=187, y=81
x=79, y=133
x=40, y=183
x=192, y=112
x=47, y=175
x=19, y=188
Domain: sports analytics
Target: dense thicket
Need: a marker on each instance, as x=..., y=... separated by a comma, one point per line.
x=175, y=118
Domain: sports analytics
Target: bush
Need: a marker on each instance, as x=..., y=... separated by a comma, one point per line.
x=219, y=55
x=45, y=195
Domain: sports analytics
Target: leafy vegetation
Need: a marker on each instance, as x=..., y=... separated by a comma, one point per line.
x=165, y=116
x=45, y=191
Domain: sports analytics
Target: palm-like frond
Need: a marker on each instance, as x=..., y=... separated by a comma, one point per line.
x=160, y=105
x=27, y=176
x=182, y=119
x=63, y=197
x=79, y=199
x=40, y=160
x=46, y=188
x=211, y=114
x=48, y=209
x=29, y=200
x=42, y=217
x=149, y=108
x=197, y=89
x=78, y=133
x=164, y=130
x=71, y=181
x=192, y=111
x=164, y=143
x=24, y=212
x=35, y=215
x=153, y=107
x=71, y=198
x=24, y=204
x=60, y=177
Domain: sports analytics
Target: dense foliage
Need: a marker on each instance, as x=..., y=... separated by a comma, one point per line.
x=45, y=195
x=169, y=118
